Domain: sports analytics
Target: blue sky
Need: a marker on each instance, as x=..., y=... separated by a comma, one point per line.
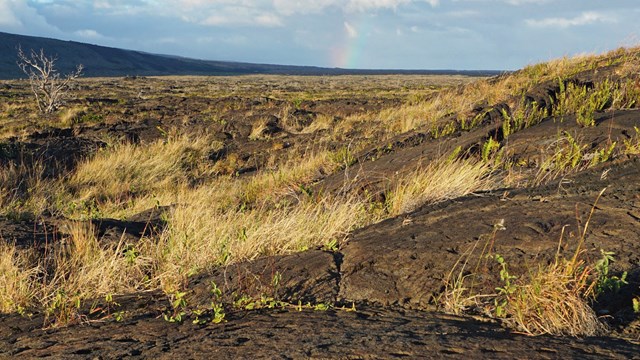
x=400, y=34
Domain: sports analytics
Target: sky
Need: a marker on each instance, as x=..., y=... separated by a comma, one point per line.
x=364, y=34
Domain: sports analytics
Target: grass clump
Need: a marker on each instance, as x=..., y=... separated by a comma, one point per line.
x=17, y=289
x=82, y=268
x=440, y=180
x=553, y=299
x=632, y=144
x=584, y=101
x=25, y=190
x=78, y=268
x=547, y=299
x=525, y=115
x=571, y=155
x=199, y=236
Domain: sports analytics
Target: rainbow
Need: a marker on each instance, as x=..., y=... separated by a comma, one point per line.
x=347, y=54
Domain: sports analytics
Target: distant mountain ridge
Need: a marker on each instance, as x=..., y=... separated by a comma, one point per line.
x=107, y=61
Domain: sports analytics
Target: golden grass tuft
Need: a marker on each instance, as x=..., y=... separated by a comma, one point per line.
x=116, y=176
x=71, y=115
x=550, y=299
x=440, y=180
x=554, y=299
x=17, y=281
x=25, y=190
x=82, y=268
x=201, y=236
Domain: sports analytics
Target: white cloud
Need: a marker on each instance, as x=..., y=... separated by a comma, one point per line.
x=522, y=2
x=290, y=7
x=239, y=16
x=268, y=20
x=213, y=20
x=7, y=17
x=89, y=34
x=585, y=18
x=510, y=2
x=364, y=5
x=18, y=16
x=351, y=31
x=101, y=4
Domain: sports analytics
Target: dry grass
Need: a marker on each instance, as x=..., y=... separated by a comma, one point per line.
x=81, y=268
x=200, y=237
x=459, y=102
x=17, y=280
x=118, y=177
x=71, y=115
x=554, y=299
x=218, y=219
x=214, y=220
x=440, y=180
x=25, y=190
x=548, y=299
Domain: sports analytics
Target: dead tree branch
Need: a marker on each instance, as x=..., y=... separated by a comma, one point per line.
x=47, y=85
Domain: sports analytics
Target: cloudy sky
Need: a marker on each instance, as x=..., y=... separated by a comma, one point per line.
x=400, y=34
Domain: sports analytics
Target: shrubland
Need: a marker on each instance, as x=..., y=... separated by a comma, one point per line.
x=214, y=214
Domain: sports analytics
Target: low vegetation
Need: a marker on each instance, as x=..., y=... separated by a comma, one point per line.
x=555, y=298
x=215, y=214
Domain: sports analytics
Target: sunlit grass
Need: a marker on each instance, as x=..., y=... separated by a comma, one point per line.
x=216, y=217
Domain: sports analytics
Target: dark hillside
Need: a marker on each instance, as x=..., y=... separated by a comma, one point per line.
x=107, y=61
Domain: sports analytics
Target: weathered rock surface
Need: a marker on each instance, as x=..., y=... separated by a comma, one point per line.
x=369, y=333
x=391, y=272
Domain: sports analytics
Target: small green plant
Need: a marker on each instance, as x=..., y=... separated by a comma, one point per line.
x=216, y=292
x=632, y=144
x=275, y=282
x=489, y=149
x=179, y=304
x=343, y=157
x=118, y=316
x=606, y=283
x=331, y=246
x=322, y=307
x=585, y=116
x=504, y=291
x=218, y=313
x=478, y=119
x=455, y=155
x=131, y=254
x=602, y=155
x=64, y=308
x=635, y=302
x=583, y=101
x=525, y=115
x=246, y=302
x=444, y=130
x=110, y=304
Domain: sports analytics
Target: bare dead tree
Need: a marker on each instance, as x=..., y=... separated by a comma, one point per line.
x=47, y=85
